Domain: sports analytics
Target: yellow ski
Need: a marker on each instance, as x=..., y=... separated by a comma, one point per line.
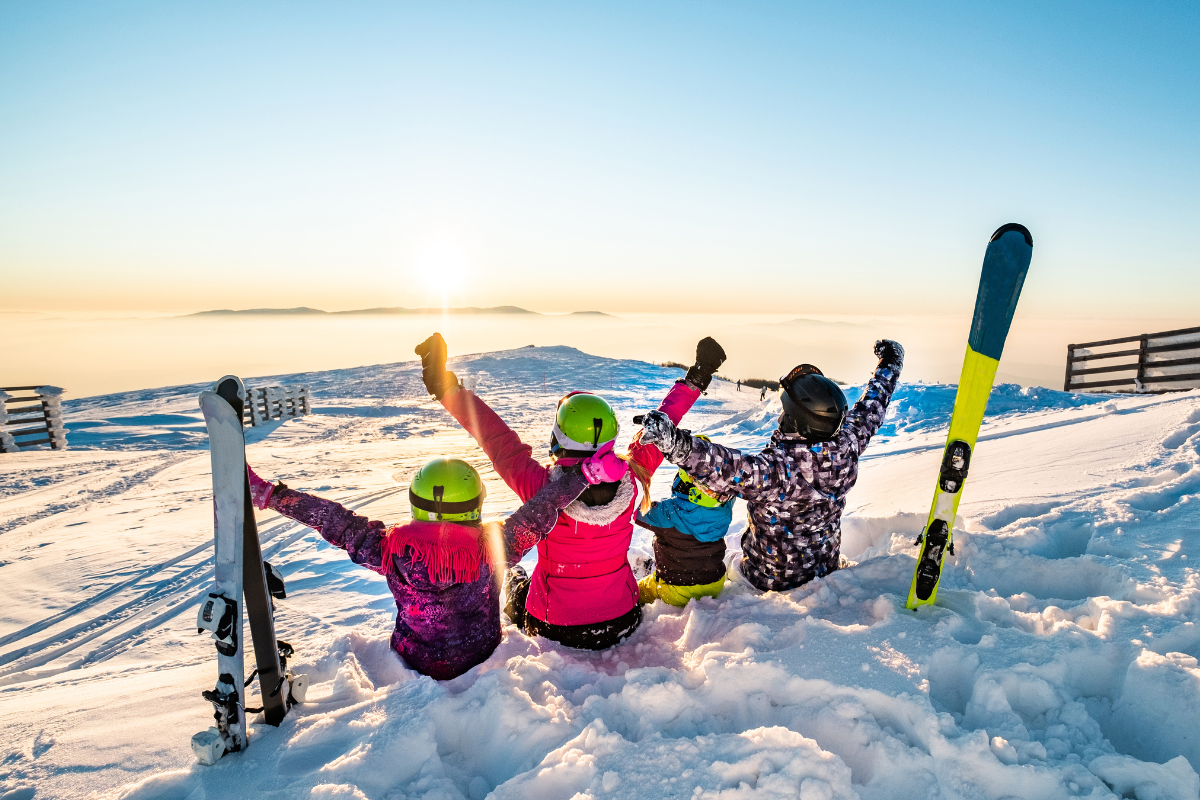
x=1004, y=266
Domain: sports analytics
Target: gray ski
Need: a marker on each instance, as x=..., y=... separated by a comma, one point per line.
x=242, y=578
x=221, y=611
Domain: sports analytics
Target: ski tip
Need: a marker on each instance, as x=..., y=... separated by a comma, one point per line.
x=1013, y=226
x=230, y=387
x=232, y=391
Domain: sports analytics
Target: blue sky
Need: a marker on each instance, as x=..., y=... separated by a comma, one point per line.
x=815, y=158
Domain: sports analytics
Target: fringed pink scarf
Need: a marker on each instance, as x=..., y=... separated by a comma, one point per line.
x=449, y=552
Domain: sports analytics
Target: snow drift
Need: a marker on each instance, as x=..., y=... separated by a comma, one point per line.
x=1061, y=660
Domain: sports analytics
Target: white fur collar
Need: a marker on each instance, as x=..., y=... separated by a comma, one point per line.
x=605, y=514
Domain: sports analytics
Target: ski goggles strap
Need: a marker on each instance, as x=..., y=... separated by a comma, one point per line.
x=694, y=492
x=438, y=506
x=786, y=381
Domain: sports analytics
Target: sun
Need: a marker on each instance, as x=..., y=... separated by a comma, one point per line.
x=444, y=269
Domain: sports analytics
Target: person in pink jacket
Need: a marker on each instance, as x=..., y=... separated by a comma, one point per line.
x=582, y=592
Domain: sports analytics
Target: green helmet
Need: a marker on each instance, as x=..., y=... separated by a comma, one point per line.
x=447, y=490
x=584, y=422
x=685, y=486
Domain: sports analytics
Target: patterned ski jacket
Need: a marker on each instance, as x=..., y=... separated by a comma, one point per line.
x=795, y=491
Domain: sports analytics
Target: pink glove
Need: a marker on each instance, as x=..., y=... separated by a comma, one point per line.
x=604, y=466
x=260, y=490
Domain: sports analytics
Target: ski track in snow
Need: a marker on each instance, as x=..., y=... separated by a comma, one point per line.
x=1061, y=660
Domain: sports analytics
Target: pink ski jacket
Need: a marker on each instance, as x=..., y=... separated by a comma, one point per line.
x=582, y=576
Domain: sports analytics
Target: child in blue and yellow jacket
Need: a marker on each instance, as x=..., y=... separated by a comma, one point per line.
x=689, y=543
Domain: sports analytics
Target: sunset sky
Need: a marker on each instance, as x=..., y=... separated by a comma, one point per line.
x=741, y=157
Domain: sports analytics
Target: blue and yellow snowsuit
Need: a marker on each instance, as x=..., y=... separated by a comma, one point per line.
x=689, y=548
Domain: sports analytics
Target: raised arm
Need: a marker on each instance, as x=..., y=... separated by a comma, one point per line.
x=680, y=399
x=360, y=537
x=865, y=417
x=511, y=457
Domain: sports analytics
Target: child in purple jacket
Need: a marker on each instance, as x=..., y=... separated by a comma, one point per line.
x=445, y=566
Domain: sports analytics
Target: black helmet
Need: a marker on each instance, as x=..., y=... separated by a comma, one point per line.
x=813, y=406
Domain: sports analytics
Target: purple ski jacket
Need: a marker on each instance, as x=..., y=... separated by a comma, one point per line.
x=444, y=577
x=444, y=624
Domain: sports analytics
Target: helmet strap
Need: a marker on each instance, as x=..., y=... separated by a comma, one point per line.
x=439, y=494
x=569, y=444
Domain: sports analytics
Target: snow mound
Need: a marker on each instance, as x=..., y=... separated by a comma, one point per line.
x=1060, y=661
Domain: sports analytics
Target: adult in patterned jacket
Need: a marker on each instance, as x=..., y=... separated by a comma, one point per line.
x=795, y=489
x=582, y=592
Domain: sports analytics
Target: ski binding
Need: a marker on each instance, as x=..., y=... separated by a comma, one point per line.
x=954, y=466
x=217, y=615
x=930, y=569
x=215, y=742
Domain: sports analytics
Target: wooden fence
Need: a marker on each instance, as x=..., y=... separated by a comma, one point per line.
x=266, y=403
x=36, y=406
x=1161, y=362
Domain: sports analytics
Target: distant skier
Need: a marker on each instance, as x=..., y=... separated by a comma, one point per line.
x=763, y=394
x=689, y=543
x=582, y=592
x=439, y=565
x=796, y=487
x=739, y=385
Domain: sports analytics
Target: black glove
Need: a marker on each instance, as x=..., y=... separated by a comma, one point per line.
x=658, y=430
x=438, y=380
x=709, y=358
x=890, y=354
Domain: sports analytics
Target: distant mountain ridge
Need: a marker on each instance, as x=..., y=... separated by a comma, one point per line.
x=387, y=311
x=276, y=311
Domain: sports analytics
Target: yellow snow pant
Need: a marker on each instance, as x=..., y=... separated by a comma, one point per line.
x=650, y=588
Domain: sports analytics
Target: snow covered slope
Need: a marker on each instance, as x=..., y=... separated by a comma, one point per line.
x=1061, y=660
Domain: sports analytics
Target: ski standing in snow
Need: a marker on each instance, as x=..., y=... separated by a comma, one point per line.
x=1005, y=264
x=242, y=578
